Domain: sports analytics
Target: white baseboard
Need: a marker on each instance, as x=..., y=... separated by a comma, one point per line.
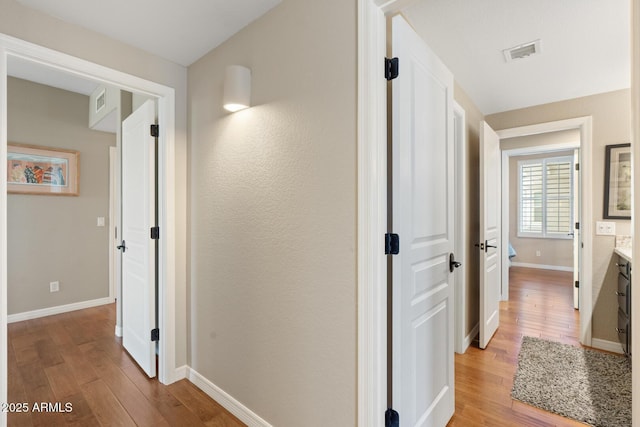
x=541, y=266
x=118, y=331
x=612, y=346
x=469, y=338
x=181, y=373
x=243, y=413
x=28, y=315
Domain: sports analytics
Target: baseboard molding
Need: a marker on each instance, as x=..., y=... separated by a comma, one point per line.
x=243, y=413
x=469, y=338
x=541, y=266
x=28, y=315
x=118, y=331
x=612, y=346
x=181, y=373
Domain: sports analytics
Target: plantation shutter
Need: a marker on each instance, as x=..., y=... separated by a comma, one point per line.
x=545, y=197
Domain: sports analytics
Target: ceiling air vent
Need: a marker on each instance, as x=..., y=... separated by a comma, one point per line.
x=522, y=51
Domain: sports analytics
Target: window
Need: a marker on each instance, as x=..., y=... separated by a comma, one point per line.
x=545, y=197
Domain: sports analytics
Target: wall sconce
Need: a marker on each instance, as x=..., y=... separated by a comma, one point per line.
x=237, y=88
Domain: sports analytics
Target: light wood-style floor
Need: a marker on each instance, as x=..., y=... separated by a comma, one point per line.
x=540, y=305
x=75, y=358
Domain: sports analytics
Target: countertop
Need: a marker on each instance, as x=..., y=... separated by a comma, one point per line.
x=624, y=253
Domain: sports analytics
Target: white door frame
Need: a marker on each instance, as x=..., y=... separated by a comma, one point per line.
x=460, y=288
x=583, y=124
x=112, y=224
x=10, y=46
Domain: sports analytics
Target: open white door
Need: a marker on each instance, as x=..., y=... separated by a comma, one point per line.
x=576, y=231
x=138, y=249
x=490, y=233
x=423, y=202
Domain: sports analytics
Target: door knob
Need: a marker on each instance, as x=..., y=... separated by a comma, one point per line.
x=122, y=247
x=453, y=264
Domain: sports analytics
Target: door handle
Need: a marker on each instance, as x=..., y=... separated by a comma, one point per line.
x=487, y=246
x=453, y=264
x=122, y=247
x=571, y=234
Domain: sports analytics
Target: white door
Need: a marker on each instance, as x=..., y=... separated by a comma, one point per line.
x=138, y=254
x=423, y=199
x=576, y=230
x=490, y=233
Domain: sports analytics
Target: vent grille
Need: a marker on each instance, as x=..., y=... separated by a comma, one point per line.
x=522, y=51
x=101, y=100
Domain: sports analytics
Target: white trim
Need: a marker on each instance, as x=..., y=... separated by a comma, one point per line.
x=584, y=124
x=118, y=331
x=541, y=266
x=460, y=249
x=166, y=115
x=612, y=346
x=372, y=217
x=181, y=372
x=469, y=338
x=227, y=401
x=3, y=234
x=50, y=311
x=111, y=223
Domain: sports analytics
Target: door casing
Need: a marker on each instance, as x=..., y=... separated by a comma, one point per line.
x=11, y=46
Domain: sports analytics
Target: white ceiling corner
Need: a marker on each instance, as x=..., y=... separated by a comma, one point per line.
x=181, y=31
x=585, y=47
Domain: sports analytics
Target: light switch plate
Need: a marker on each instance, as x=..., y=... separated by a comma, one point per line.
x=100, y=221
x=605, y=228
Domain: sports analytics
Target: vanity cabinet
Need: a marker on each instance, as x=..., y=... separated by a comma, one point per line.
x=623, y=294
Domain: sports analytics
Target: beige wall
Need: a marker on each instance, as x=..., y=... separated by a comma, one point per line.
x=51, y=237
x=28, y=24
x=473, y=116
x=273, y=211
x=611, y=125
x=553, y=252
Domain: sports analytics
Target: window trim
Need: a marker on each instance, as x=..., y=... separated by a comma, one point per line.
x=544, y=234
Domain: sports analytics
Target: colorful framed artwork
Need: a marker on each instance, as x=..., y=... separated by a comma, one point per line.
x=42, y=170
x=617, y=182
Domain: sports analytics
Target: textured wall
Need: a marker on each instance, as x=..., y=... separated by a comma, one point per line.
x=273, y=202
x=28, y=24
x=611, y=125
x=52, y=237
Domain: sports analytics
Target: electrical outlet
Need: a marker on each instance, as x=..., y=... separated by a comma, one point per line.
x=537, y=253
x=605, y=228
x=54, y=286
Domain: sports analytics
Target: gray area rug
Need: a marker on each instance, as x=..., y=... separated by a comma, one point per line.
x=586, y=385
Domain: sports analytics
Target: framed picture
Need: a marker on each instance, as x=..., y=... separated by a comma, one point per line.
x=617, y=182
x=42, y=170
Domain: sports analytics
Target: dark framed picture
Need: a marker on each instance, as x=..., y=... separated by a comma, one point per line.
x=617, y=182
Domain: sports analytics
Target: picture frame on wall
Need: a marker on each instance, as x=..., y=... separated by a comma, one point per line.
x=617, y=182
x=33, y=169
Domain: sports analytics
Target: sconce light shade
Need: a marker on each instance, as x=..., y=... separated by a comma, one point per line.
x=237, y=88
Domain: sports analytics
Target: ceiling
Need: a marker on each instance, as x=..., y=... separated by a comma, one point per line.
x=585, y=47
x=181, y=31
x=585, y=44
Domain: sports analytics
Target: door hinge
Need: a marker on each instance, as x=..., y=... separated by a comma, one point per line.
x=577, y=226
x=391, y=244
x=577, y=284
x=391, y=68
x=155, y=233
x=155, y=334
x=155, y=130
x=577, y=166
x=391, y=418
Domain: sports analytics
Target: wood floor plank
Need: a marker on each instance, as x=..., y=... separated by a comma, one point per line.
x=105, y=406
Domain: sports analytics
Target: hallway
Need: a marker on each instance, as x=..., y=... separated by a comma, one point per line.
x=541, y=305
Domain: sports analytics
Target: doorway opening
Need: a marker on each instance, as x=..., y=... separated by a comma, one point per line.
x=62, y=63
x=562, y=143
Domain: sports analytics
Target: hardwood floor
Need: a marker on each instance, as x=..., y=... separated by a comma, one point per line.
x=540, y=305
x=75, y=358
